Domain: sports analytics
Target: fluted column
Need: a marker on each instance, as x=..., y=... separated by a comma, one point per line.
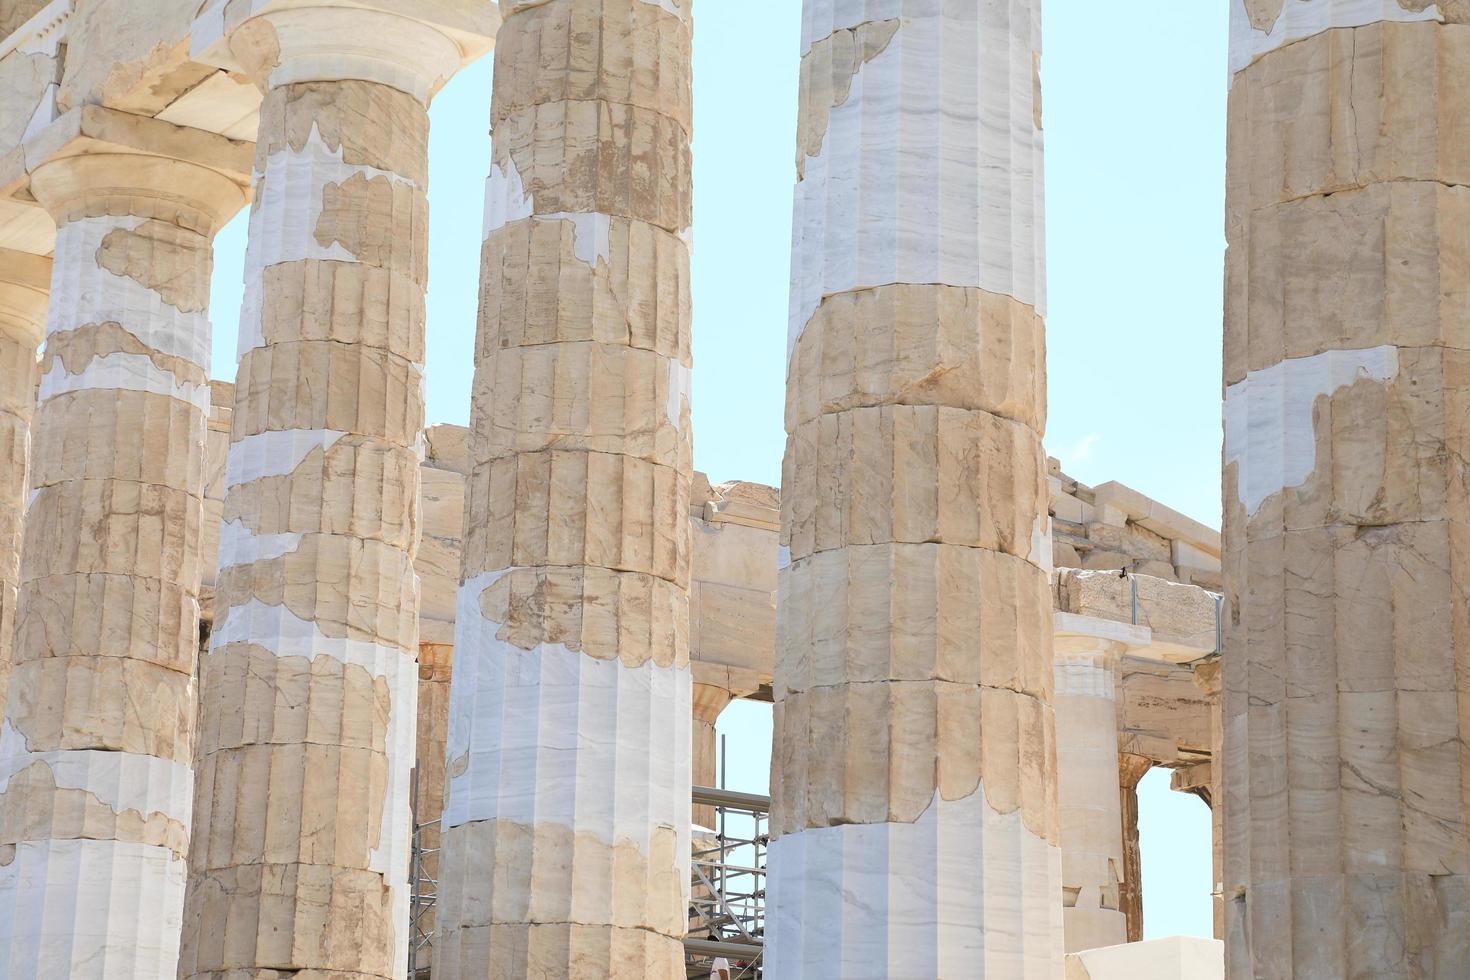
x=709, y=701
x=1346, y=339
x=309, y=688
x=566, y=827
x=1131, y=770
x=1088, y=802
x=96, y=745
x=25, y=282
x=1207, y=678
x=914, y=778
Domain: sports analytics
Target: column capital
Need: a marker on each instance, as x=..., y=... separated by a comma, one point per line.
x=709, y=701
x=414, y=46
x=25, y=288
x=95, y=161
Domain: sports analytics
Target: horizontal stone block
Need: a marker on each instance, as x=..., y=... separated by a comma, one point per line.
x=321, y=385
x=1347, y=108
x=595, y=157
x=504, y=952
x=1327, y=441
x=548, y=874
x=913, y=475
x=920, y=345
x=629, y=52
x=871, y=753
x=584, y=277
x=111, y=434
x=1394, y=270
x=599, y=398
x=914, y=612
x=114, y=703
x=628, y=616
x=578, y=508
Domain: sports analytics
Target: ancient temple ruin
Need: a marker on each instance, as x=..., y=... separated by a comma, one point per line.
x=294, y=686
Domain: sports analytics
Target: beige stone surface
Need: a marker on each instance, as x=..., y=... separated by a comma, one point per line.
x=97, y=738
x=25, y=282
x=574, y=602
x=310, y=688
x=1090, y=819
x=913, y=668
x=1344, y=811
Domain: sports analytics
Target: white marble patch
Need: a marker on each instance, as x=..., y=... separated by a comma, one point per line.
x=121, y=371
x=963, y=891
x=91, y=910
x=506, y=197
x=82, y=292
x=121, y=780
x=277, y=629
x=238, y=545
x=1269, y=429
x=551, y=735
x=1301, y=19
x=284, y=220
x=275, y=452
x=931, y=170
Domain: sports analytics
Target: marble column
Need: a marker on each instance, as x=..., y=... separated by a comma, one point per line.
x=1347, y=349
x=914, y=772
x=309, y=687
x=709, y=701
x=1207, y=677
x=1088, y=803
x=1131, y=770
x=566, y=833
x=25, y=283
x=96, y=744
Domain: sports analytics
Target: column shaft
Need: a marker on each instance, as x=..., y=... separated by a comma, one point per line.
x=25, y=282
x=567, y=812
x=914, y=782
x=1088, y=803
x=1346, y=339
x=1131, y=770
x=310, y=684
x=709, y=701
x=96, y=745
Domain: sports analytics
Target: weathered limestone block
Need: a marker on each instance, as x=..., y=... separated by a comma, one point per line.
x=566, y=838
x=992, y=346
x=25, y=281
x=914, y=770
x=914, y=474
x=96, y=744
x=310, y=686
x=1090, y=819
x=732, y=585
x=1180, y=616
x=30, y=73
x=1345, y=819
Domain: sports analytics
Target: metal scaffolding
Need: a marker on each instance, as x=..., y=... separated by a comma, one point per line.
x=423, y=889
x=727, y=908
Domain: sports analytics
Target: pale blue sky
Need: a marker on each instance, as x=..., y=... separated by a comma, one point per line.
x=1135, y=123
